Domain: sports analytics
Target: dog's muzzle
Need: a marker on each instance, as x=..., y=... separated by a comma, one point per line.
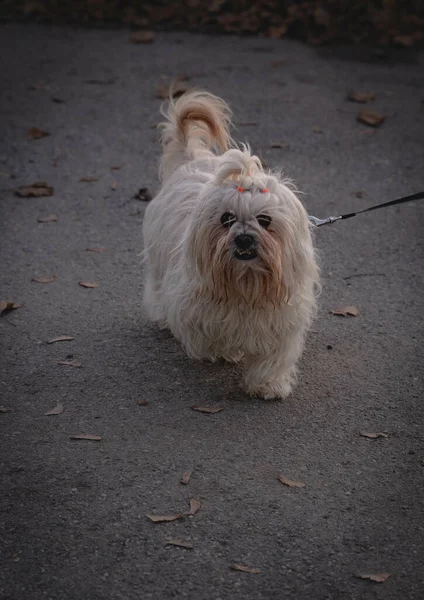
x=245, y=247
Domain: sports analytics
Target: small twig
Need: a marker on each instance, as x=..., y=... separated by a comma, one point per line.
x=364, y=275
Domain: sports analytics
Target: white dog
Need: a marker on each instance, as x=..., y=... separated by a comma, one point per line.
x=230, y=265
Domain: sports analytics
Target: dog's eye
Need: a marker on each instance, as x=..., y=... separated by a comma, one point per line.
x=228, y=219
x=264, y=221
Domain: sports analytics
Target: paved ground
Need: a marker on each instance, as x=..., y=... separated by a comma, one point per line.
x=73, y=521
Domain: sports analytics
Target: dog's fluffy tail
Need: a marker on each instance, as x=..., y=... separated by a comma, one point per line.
x=197, y=125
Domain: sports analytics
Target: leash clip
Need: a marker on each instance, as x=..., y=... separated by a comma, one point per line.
x=319, y=222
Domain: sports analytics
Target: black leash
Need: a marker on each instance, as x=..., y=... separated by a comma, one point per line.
x=319, y=222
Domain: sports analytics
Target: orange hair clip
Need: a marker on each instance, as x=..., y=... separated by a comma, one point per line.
x=240, y=189
x=265, y=190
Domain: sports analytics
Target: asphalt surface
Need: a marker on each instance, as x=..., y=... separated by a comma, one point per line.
x=73, y=512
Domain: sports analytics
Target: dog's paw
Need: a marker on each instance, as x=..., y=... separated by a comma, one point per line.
x=271, y=390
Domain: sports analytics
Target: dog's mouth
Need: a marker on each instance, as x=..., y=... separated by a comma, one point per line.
x=246, y=254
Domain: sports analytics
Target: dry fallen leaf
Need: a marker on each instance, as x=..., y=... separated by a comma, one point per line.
x=361, y=97
x=60, y=338
x=289, y=482
x=114, y=185
x=180, y=543
x=344, y=311
x=317, y=129
x=88, y=179
x=57, y=410
x=86, y=436
x=142, y=402
x=96, y=249
x=48, y=219
x=378, y=577
x=7, y=305
x=115, y=168
x=422, y=460
x=35, y=133
x=5, y=409
x=143, y=194
x=207, y=409
x=280, y=145
x=142, y=37
x=186, y=477
x=164, y=518
x=244, y=568
x=373, y=436
x=70, y=363
x=44, y=279
x=88, y=284
x=58, y=100
x=370, y=118
x=195, y=506
x=34, y=190
x=175, y=88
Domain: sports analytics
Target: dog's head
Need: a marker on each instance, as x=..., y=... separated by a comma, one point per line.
x=250, y=234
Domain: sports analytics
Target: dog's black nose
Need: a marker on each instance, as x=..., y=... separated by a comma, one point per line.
x=244, y=241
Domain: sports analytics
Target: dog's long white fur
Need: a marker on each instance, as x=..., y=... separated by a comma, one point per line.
x=252, y=311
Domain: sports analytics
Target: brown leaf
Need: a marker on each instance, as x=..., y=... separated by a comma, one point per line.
x=57, y=410
x=207, y=409
x=5, y=409
x=58, y=100
x=44, y=279
x=34, y=190
x=88, y=179
x=114, y=185
x=88, y=284
x=244, y=568
x=372, y=119
x=422, y=460
x=142, y=37
x=143, y=194
x=180, y=543
x=70, y=363
x=61, y=338
x=195, y=506
x=48, y=219
x=344, y=311
x=34, y=133
x=361, y=97
x=186, y=477
x=96, y=249
x=164, y=518
x=289, y=482
x=6, y=306
x=86, y=436
x=280, y=145
x=317, y=129
x=373, y=436
x=378, y=577
x=142, y=402
x=174, y=88
x=115, y=168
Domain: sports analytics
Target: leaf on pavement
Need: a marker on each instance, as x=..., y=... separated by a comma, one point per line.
x=35, y=133
x=174, y=88
x=360, y=97
x=143, y=194
x=372, y=119
x=244, y=568
x=186, y=477
x=142, y=402
x=142, y=37
x=207, y=409
x=70, y=363
x=86, y=436
x=290, y=482
x=88, y=179
x=280, y=145
x=180, y=543
x=88, y=284
x=378, y=577
x=44, y=279
x=344, y=311
x=373, y=436
x=195, y=506
x=61, y=338
x=5, y=409
x=316, y=129
x=58, y=100
x=114, y=185
x=7, y=305
x=48, y=219
x=96, y=249
x=57, y=410
x=34, y=190
x=164, y=518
